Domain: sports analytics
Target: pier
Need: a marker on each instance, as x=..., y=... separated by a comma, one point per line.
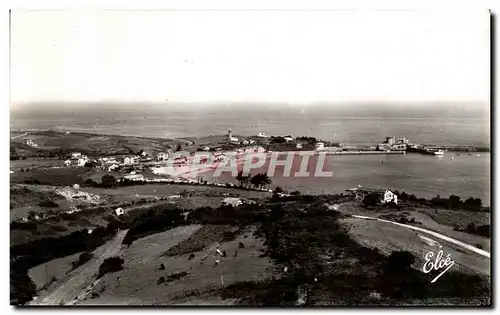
x=351, y=152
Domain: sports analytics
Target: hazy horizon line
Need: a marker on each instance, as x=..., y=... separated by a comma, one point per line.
x=14, y=105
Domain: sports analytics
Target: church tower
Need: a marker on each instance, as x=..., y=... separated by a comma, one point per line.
x=229, y=134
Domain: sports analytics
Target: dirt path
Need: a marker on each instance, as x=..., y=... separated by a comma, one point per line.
x=435, y=234
x=19, y=136
x=79, y=282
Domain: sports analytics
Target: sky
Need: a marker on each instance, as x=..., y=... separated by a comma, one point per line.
x=295, y=57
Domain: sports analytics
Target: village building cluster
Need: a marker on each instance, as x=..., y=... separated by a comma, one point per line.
x=393, y=144
x=30, y=143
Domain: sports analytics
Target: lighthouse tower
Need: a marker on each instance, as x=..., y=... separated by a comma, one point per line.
x=229, y=134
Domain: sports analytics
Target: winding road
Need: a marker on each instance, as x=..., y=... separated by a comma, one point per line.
x=18, y=136
x=435, y=234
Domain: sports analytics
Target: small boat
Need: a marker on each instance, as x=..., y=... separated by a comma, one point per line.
x=478, y=154
x=439, y=152
x=458, y=154
x=451, y=157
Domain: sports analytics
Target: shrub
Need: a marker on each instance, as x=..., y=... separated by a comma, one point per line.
x=90, y=182
x=371, y=199
x=160, y=280
x=228, y=236
x=278, y=189
x=31, y=226
x=84, y=257
x=22, y=288
x=108, y=181
x=112, y=264
x=48, y=203
x=399, y=261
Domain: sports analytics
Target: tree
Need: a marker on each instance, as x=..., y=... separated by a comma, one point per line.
x=91, y=164
x=404, y=196
x=89, y=182
x=82, y=259
x=261, y=179
x=455, y=202
x=179, y=147
x=108, y=180
x=310, y=140
x=277, y=140
x=22, y=288
x=399, y=261
x=112, y=264
x=243, y=180
x=473, y=204
x=372, y=199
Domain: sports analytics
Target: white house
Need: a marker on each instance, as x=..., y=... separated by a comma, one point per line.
x=129, y=160
x=288, y=138
x=134, y=177
x=30, y=143
x=389, y=196
x=162, y=156
x=105, y=160
x=299, y=145
x=119, y=211
x=76, y=155
x=232, y=201
x=320, y=145
x=113, y=167
x=67, y=163
x=82, y=160
x=262, y=135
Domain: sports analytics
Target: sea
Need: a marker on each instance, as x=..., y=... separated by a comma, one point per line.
x=465, y=175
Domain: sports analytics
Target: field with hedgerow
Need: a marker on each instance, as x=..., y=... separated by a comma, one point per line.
x=296, y=250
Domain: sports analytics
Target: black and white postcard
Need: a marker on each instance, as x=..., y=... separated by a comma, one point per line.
x=296, y=158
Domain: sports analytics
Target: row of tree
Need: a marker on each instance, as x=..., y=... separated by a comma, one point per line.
x=259, y=180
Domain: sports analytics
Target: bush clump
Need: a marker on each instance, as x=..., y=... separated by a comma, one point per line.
x=112, y=264
x=47, y=203
x=84, y=257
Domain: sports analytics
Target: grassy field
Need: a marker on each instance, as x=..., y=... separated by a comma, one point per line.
x=387, y=238
x=199, y=276
x=456, y=217
x=32, y=198
x=92, y=144
x=441, y=221
x=51, y=176
x=283, y=247
x=34, y=163
x=52, y=271
x=131, y=198
x=168, y=189
x=192, y=196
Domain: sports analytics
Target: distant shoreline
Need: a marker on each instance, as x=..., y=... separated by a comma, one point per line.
x=360, y=150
